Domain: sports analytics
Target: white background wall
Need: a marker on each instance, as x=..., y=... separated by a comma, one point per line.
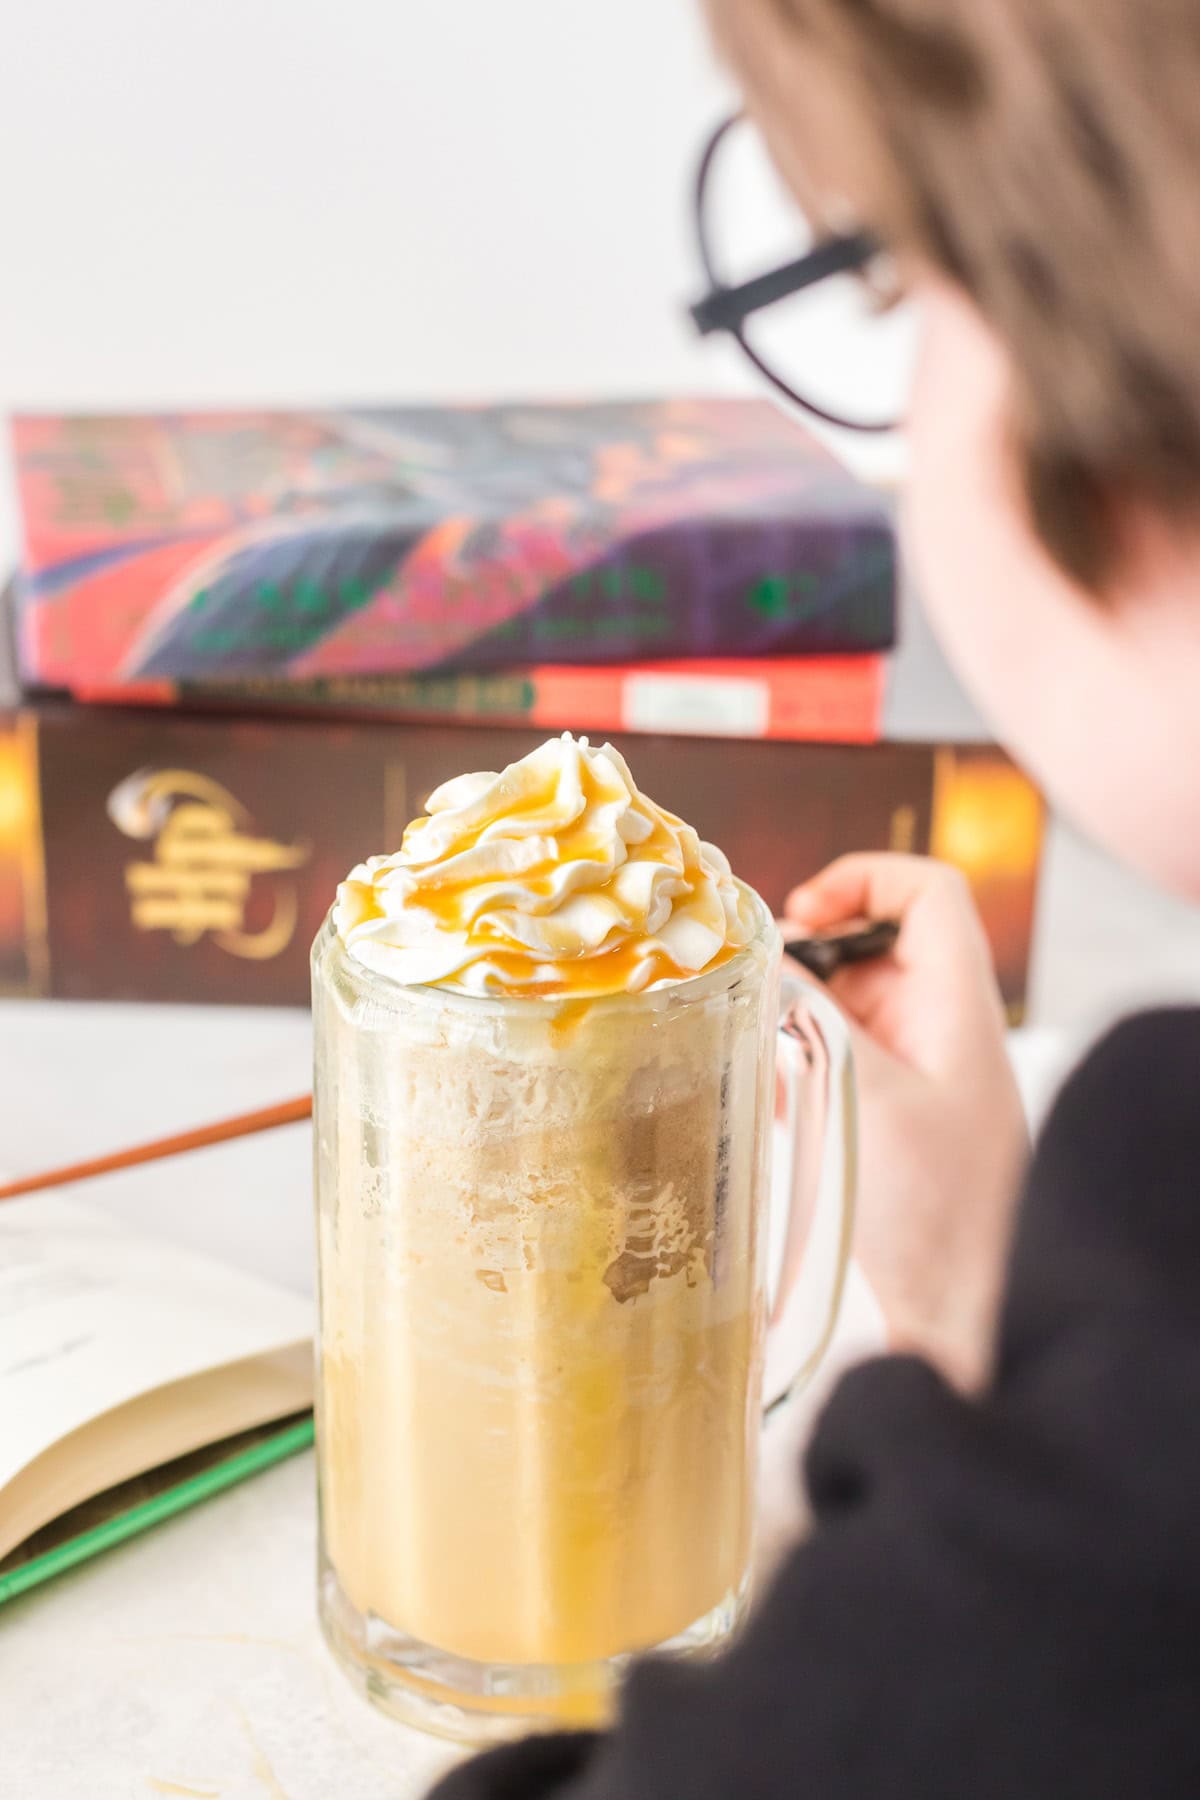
x=336, y=199
x=209, y=201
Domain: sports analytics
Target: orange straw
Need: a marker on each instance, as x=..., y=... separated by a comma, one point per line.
x=288, y=1112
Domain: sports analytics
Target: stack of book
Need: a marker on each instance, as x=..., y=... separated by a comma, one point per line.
x=247, y=646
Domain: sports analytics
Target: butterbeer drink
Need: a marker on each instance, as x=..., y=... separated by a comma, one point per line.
x=545, y=1036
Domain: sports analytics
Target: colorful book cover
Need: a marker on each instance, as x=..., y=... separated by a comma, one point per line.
x=169, y=856
x=312, y=546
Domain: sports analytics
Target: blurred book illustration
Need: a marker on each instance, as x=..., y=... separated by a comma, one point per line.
x=313, y=546
x=119, y=1354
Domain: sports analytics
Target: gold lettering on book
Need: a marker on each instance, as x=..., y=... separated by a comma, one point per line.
x=902, y=836
x=206, y=860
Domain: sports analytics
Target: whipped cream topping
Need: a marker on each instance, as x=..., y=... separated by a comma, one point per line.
x=556, y=877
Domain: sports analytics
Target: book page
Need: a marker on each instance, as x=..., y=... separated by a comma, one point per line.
x=93, y=1314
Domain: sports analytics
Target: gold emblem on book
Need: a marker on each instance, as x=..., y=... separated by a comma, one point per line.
x=205, y=863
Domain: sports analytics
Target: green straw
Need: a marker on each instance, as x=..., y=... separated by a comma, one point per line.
x=153, y=1512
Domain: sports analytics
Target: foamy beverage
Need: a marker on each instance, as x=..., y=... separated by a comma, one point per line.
x=545, y=1049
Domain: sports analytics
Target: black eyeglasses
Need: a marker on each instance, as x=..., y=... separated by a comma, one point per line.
x=855, y=376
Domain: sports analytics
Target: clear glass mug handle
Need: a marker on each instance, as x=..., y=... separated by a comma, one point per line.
x=817, y=1066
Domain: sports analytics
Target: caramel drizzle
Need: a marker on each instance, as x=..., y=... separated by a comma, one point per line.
x=610, y=969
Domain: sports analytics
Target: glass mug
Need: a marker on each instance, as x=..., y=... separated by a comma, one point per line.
x=543, y=1268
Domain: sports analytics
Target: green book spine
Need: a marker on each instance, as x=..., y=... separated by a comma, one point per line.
x=176, y=1499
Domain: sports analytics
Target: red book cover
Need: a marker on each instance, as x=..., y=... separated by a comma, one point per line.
x=804, y=699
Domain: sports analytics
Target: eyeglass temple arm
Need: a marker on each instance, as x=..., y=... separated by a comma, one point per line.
x=726, y=308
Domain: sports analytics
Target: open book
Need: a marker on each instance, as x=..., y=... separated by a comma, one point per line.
x=120, y=1354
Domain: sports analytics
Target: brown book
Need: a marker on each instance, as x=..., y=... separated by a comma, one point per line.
x=166, y=856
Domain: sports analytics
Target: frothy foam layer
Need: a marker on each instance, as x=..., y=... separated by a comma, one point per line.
x=555, y=877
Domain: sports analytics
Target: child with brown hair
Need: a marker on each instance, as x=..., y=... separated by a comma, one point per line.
x=1001, y=1595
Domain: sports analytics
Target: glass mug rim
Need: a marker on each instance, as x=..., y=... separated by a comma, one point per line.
x=691, y=989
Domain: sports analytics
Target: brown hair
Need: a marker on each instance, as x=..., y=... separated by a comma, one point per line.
x=1045, y=154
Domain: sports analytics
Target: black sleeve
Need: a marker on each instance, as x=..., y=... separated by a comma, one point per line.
x=998, y=1599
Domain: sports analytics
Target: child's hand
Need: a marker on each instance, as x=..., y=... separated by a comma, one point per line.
x=943, y=1135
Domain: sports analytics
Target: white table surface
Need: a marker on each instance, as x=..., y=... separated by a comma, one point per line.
x=189, y=1661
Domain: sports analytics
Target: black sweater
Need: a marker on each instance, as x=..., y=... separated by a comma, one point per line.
x=999, y=1600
